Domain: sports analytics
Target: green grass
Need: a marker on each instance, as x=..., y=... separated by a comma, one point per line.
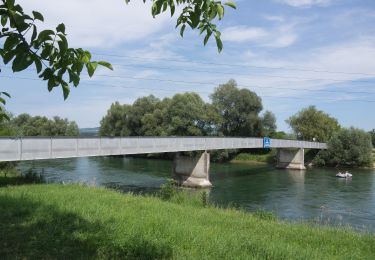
x=12, y=177
x=73, y=221
x=260, y=158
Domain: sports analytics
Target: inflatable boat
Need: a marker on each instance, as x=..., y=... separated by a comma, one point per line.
x=344, y=175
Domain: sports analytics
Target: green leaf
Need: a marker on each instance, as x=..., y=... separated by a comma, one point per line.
x=106, y=64
x=10, y=4
x=47, y=49
x=91, y=67
x=52, y=83
x=213, y=14
x=219, y=43
x=66, y=90
x=172, y=7
x=5, y=93
x=86, y=57
x=45, y=35
x=63, y=44
x=8, y=56
x=4, y=20
x=22, y=62
x=182, y=30
x=61, y=28
x=73, y=77
x=231, y=4
x=10, y=42
x=38, y=16
x=2, y=101
x=207, y=37
x=35, y=33
x=38, y=65
x=220, y=11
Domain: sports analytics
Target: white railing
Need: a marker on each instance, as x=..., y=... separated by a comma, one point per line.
x=34, y=148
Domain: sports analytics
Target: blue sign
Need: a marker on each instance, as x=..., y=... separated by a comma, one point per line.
x=266, y=142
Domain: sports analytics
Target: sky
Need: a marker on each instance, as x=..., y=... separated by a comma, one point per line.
x=292, y=53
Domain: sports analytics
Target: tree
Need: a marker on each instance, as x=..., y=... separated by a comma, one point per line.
x=183, y=115
x=372, y=133
x=26, y=125
x=312, y=124
x=6, y=129
x=268, y=124
x=186, y=115
x=349, y=147
x=60, y=65
x=139, y=109
x=115, y=123
x=239, y=109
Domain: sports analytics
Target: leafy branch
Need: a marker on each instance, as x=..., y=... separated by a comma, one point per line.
x=197, y=14
x=48, y=50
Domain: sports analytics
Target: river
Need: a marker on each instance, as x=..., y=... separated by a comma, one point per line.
x=313, y=195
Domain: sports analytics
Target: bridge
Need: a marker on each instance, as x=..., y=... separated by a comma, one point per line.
x=192, y=172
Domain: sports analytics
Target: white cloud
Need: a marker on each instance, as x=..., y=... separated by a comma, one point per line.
x=274, y=18
x=312, y=70
x=305, y=3
x=243, y=34
x=97, y=23
x=278, y=37
x=283, y=36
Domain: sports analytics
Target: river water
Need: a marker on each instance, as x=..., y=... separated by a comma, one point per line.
x=313, y=195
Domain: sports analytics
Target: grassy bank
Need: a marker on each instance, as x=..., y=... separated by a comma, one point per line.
x=58, y=221
x=255, y=158
x=13, y=177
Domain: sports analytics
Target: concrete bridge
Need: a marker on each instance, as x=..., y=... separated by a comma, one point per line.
x=192, y=172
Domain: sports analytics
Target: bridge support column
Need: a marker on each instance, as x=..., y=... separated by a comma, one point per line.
x=192, y=172
x=291, y=159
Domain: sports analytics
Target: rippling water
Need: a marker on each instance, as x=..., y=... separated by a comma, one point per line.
x=313, y=195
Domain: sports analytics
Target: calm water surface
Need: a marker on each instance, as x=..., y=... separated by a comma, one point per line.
x=313, y=195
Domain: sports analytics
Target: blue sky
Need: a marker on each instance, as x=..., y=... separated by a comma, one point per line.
x=292, y=53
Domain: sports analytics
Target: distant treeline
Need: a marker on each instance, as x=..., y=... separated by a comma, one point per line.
x=27, y=125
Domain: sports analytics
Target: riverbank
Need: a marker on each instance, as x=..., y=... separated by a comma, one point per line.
x=73, y=221
x=268, y=158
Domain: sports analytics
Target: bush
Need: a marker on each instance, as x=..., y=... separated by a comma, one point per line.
x=350, y=147
x=171, y=193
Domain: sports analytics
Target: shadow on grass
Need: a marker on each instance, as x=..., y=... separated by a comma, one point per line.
x=33, y=230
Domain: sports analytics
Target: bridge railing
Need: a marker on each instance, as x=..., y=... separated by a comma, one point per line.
x=34, y=148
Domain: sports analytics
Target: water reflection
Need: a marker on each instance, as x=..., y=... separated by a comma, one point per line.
x=314, y=194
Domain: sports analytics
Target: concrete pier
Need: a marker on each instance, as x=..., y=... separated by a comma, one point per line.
x=291, y=159
x=192, y=172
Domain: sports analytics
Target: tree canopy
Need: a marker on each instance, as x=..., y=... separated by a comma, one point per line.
x=26, y=125
x=182, y=115
x=233, y=112
x=268, y=121
x=239, y=109
x=349, y=147
x=312, y=124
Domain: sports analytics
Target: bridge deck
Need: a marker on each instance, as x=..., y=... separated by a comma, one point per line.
x=34, y=148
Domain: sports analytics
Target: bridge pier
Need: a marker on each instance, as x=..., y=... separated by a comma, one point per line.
x=291, y=159
x=192, y=172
